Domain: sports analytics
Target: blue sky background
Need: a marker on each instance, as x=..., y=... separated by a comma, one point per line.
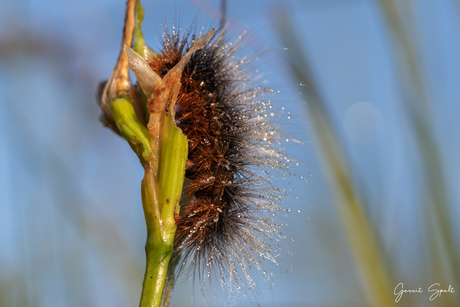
x=70, y=208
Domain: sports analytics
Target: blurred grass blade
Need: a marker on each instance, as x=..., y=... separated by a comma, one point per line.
x=364, y=244
x=417, y=105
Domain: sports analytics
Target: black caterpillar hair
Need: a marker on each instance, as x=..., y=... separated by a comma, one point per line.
x=227, y=223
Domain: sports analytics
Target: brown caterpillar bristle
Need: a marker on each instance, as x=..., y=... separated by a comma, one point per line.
x=228, y=223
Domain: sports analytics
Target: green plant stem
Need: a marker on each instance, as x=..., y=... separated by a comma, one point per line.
x=139, y=41
x=155, y=274
x=143, y=50
x=130, y=127
x=161, y=190
x=159, y=246
x=170, y=280
x=160, y=145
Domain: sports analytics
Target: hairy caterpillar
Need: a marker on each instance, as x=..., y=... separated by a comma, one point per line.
x=198, y=112
x=227, y=223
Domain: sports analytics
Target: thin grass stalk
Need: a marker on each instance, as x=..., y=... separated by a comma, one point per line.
x=416, y=103
x=359, y=231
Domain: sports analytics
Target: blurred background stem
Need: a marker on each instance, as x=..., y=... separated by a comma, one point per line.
x=416, y=103
x=364, y=243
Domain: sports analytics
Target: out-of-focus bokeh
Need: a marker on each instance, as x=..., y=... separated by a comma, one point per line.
x=72, y=230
